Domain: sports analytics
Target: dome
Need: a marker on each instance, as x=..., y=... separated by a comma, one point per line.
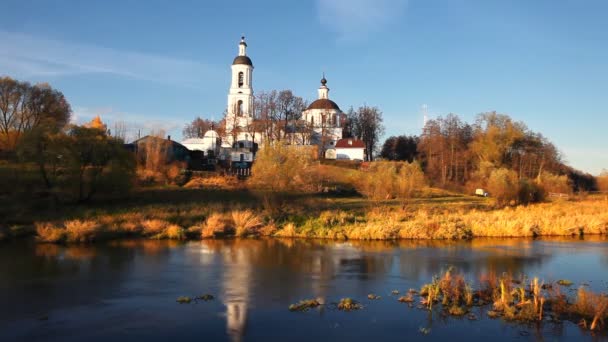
x=242, y=60
x=211, y=134
x=323, y=104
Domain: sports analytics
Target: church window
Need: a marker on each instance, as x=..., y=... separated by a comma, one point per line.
x=312, y=120
x=241, y=76
x=239, y=108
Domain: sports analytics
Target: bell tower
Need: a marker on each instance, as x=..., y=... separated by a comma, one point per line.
x=239, y=113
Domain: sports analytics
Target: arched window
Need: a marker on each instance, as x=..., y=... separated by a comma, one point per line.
x=241, y=79
x=239, y=108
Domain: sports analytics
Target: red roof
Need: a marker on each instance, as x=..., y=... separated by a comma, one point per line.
x=350, y=143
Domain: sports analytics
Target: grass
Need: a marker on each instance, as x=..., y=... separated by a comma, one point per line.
x=349, y=304
x=513, y=300
x=178, y=213
x=304, y=305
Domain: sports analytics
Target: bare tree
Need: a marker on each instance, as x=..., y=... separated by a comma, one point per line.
x=198, y=127
x=366, y=124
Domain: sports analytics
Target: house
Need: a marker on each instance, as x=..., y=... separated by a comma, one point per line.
x=350, y=149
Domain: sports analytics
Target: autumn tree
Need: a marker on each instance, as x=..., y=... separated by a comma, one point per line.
x=24, y=107
x=78, y=163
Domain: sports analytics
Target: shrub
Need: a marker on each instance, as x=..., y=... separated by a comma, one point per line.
x=280, y=167
x=82, y=231
x=530, y=192
x=602, y=181
x=175, y=232
x=384, y=180
x=245, y=221
x=503, y=185
x=216, y=224
x=555, y=183
x=47, y=232
x=153, y=227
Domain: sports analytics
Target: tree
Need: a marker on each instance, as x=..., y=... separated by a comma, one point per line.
x=198, y=127
x=24, y=107
x=366, y=124
x=403, y=148
x=602, y=181
x=78, y=163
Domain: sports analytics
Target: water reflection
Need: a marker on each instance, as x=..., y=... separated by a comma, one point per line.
x=254, y=280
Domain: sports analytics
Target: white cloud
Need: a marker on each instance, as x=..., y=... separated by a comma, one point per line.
x=26, y=56
x=355, y=20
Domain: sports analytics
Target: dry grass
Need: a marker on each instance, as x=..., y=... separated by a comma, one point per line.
x=82, y=231
x=215, y=225
x=47, y=232
x=246, y=222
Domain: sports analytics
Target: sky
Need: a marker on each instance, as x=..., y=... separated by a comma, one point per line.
x=157, y=65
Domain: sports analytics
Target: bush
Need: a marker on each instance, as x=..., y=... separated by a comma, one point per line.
x=602, y=181
x=555, y=183
x=47, y=232
x=281, y=167
x=503, y=185
x=245, y=222
x=82, y=231
x=384, y=180
x=216, y=224
x=530, y=192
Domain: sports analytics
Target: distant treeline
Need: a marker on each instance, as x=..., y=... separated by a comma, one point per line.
x=458, y=155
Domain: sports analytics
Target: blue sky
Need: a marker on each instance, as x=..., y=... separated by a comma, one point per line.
x=159, y=64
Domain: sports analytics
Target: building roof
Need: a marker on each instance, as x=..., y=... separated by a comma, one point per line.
x=323, y=104
x=242, y=60
x=350, y=143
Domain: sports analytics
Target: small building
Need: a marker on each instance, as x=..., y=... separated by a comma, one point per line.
x=350, y=149
x=209, y=144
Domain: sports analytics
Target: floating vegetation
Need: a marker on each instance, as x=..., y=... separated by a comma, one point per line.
x=349, y=304
x=372, y=296
x=205, y=297
x=304, y=305
x=424, y=331
x=517, y=301
x=409, y=298
x=184, y=299
x=564, y=282
x=457, y=311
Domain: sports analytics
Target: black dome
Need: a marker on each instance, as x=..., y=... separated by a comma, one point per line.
x=242, y=60
x=323, y=104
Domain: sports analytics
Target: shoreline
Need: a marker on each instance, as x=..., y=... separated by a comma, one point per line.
x=586, y=217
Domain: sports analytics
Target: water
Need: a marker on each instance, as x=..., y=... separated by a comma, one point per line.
x=128, y=289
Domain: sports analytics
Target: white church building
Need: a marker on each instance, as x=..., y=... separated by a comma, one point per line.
x=322, y=117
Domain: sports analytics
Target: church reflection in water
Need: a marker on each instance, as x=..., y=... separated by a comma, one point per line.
x=278, y=271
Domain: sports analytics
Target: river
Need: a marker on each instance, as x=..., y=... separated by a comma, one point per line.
x=128, y=289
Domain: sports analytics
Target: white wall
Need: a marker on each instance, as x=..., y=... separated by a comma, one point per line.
x=350, y=153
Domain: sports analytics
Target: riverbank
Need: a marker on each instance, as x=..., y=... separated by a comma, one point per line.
x=244, y=214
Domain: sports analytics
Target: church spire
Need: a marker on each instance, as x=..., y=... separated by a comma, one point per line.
x=323, y=90
x=242, y=47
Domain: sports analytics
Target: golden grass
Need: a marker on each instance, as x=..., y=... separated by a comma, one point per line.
x=245, y=222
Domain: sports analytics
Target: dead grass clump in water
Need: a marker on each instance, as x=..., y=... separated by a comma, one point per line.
x=591, y=306
x=349, y=304
x=215, y=225
x=288, y=230
x=153, y=228
x=175, y=232
x=82, y=231
x=47, y=232
x=304, y=305
x=246, y=222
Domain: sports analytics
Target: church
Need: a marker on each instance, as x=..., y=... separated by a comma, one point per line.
x=322, y=119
